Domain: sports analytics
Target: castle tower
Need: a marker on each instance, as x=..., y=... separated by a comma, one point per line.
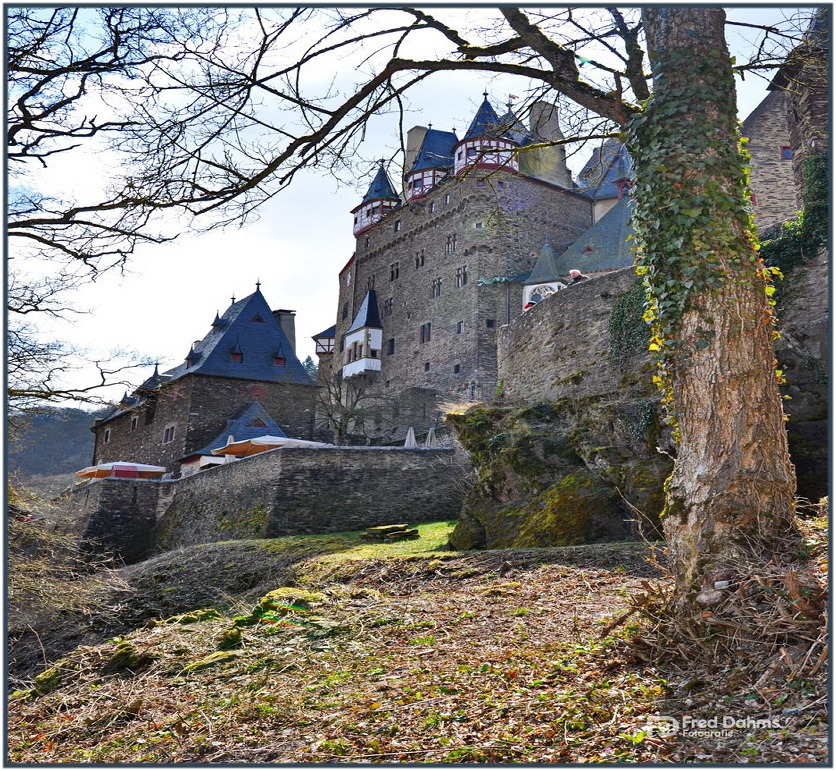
x=432, y=163
x=380, y=199
x=486, y=144
x=363, y=339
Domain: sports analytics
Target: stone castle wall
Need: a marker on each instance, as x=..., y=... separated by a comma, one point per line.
x=561, y=347
x=499, y=221
x=772, y=180
x=287, y=491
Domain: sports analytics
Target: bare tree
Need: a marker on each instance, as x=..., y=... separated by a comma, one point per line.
x=346, y=406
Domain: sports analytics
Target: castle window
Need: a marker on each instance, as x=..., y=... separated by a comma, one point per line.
x=500, y=184
x=450, y=246
x=342, y=345
x=435, y=289
x=388, y=306
x=459, y=156
x=394, y=271
x=106, y=437
x=390, y=346
x=432, y=206
x=370, y=283
x=446, y=198
x=490, y=323
x=374, y=353
x=348, y=278
x=786, y=153
x=134, y=422
x=456, y=368
x=426, y=332
x=236, y=356
x=419, y=260
x=257, y=319
x=459, y=327
x=471, y=152
x=367, y=241
x=480, y=183
x=478, y=225
x=279, y=361
x=345, y=312
x=168, y=434
x=461, y=275
x=397, y=226
x=426, y=366
x=257, y=423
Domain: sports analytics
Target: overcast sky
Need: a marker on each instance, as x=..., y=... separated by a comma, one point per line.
x=168, y=294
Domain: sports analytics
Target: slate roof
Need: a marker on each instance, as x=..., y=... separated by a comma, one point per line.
x=545, y=269
x=608, y=163
x=436, y=150
x=249, y=327
x=817, y=36
x=241, y=427
x=514, y=128
x=485, y=123
x=368, y=315
x=604, y=246
x=380, y=187
x=330, y=332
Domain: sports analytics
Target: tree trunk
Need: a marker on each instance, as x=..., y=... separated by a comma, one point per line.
x=730, y=497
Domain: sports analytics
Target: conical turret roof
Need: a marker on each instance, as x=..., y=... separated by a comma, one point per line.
x=545, y=269
x=486, y=122
x=368, y=315
x=380, y=187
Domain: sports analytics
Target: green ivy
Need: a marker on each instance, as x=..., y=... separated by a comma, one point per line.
x=693, y=218
x=628, y=331
x=792, y=243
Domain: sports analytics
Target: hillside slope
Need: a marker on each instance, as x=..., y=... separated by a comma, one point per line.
x=420, y=656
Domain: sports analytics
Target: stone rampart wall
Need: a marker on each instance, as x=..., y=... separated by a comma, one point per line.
x=288, y=491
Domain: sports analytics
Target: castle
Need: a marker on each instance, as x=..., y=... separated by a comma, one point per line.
x=486, y=226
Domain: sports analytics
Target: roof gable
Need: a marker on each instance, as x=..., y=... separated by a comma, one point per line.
x=252, y=334
x=249, y=423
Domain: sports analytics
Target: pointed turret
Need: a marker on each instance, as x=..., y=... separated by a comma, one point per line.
x=380, y=199
x=432, y=163
x=544, y=279
x=363, y=340
x=486, y=144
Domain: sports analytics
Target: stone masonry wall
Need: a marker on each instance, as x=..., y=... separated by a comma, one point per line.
x=280, y=492
x=560, y=348
x=772, y=179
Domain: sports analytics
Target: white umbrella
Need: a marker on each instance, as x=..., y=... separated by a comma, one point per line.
x=430, y=441
x=410, y=438
x=259, y=444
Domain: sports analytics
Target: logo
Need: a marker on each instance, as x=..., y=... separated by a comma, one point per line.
x=666, y=726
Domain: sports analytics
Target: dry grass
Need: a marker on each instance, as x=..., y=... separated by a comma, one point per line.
x=509, y=656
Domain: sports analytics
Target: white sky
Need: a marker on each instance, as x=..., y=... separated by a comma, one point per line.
x=169, y=294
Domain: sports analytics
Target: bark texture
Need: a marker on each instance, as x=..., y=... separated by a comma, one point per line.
x=730, y=497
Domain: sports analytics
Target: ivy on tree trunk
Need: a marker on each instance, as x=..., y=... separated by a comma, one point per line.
x=730, y=497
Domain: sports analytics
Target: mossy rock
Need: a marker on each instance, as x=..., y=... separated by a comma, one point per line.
x=212, y=660
x=204, y=614
x=127, y=656
x=289, y=596
x=574, y=511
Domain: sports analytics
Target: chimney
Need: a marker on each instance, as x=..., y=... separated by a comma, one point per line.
x=414, y=138
x=287, y=321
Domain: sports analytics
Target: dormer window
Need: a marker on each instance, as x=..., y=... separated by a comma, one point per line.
x=257, y=319
x=236, y=357
x=279, y=361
